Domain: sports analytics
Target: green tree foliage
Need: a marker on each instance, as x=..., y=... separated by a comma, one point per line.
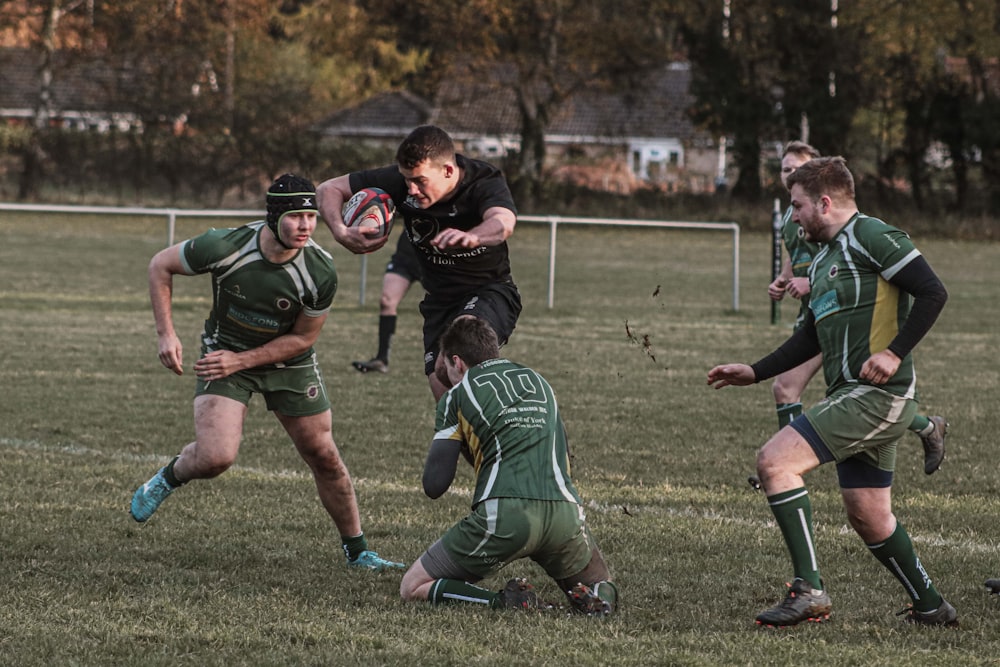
x=227, y=91
x=735, y=80
x=930, y=66
x=349, y=48
x=768, y=69
x=819, y=73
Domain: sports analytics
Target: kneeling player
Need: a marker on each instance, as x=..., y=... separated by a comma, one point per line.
x=504, y=418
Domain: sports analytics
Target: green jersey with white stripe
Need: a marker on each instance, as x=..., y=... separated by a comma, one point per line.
x=800, y=256
x=254, y=300
x=508, y=417
x=857, y=310
x=800, y=251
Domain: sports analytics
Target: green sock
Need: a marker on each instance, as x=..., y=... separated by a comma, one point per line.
x=607, y=591
x=353, y=546
x=793, y=512
x=919, y=423
x=787, y=412
x=447, y=591
x=898, y=556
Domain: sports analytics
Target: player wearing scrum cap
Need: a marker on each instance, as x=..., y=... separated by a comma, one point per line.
x=272, y=288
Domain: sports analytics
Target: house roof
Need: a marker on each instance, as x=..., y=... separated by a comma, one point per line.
x=391, y=114
x=477, y=106
x=467, y=106
x=78, y=85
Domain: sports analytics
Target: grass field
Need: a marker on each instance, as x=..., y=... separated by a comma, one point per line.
x=246, y=569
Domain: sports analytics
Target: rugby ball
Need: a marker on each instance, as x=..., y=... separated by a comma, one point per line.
x=371, y=208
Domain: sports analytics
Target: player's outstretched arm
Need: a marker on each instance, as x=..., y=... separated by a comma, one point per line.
x=162, y=268
x=497, y=226
x=737, y=375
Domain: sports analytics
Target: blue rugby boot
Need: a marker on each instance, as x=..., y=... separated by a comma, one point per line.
x=147, y=498
x=370, y=560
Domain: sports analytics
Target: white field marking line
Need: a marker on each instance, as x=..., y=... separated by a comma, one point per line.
x=155, y=459
x=604, y=508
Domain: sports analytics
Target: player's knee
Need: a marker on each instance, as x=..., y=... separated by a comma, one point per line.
x=872, y=527
x=325, y=460
x=407, y=592
x=410, y=588
x=388, y=304
x=769, y=463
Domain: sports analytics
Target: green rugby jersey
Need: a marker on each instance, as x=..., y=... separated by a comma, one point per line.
x=254, y=300
x=507, y=415
x=800, y=255
x=800, y=251
x=857, y=310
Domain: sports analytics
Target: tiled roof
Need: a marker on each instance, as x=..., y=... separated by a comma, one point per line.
x=470, y=106
x=466, y=106
x=77, y=85
x=391, y=114
x=656, y=110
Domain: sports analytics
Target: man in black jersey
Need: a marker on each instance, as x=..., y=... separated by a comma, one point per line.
x=458, y=214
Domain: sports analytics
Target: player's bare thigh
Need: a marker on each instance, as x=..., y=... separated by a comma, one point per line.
x=312, y=434
x=218, y=426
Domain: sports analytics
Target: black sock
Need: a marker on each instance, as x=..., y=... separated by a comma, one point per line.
x=168, y=473
x=386, y=329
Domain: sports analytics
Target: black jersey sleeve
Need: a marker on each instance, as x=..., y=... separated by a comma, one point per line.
x=800, y=347
x=440, y=467
x=929, y=296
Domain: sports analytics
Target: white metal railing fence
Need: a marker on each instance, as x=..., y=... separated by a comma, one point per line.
x=552, y=220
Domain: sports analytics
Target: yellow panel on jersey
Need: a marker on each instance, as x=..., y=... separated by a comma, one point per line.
x=885, y=316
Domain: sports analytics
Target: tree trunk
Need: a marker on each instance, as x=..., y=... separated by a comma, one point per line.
x=526, y=184
x=746, y=153
x=33, y=155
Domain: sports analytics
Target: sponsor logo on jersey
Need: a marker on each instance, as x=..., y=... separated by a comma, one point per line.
x=891, y=240
x=423, y=230
x=824, y=305
x=471, y=305
x=252, y=321
x=234, y=292
x=283, y=303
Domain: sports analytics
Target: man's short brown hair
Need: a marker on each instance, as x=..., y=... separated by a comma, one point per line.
x=471, y=339
x=427, y=142
x=824, y=176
